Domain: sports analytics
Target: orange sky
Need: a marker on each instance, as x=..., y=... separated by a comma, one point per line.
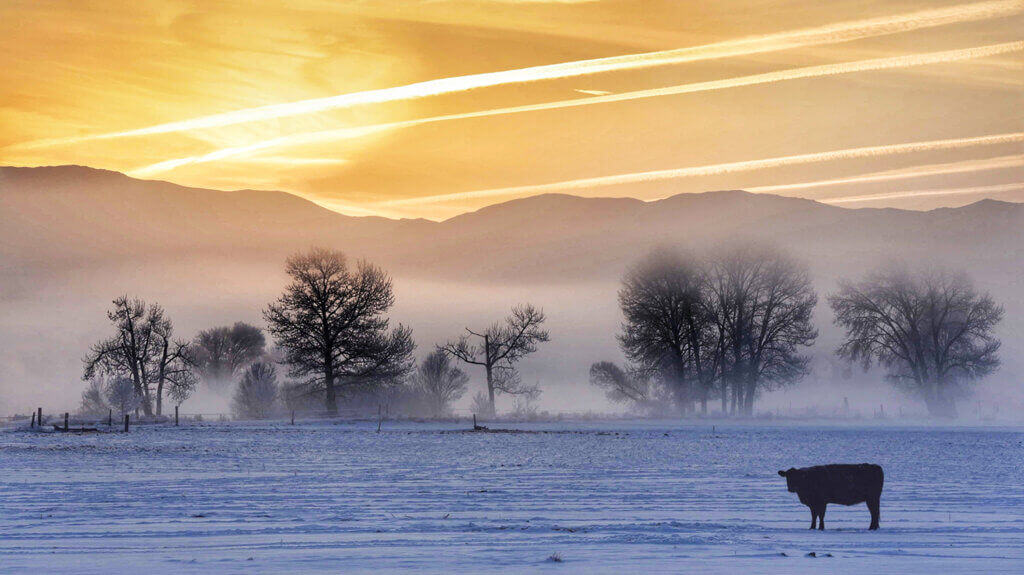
x=430, y=109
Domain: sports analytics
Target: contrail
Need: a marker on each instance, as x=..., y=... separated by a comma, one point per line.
x=922, y=171
x=766, y=78
x=830, y=34
x=719, y=169
x=924, y=193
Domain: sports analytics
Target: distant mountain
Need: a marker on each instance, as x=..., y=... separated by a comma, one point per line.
x=73, y=215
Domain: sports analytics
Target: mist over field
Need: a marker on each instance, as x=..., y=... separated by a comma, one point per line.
x=74, y=239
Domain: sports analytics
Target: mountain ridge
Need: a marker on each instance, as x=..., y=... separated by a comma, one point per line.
x=74, y=213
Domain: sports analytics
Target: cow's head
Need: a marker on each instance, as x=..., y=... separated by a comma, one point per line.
x=792, y=476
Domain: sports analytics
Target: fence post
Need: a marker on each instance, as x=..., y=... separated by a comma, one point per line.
x=39, y=418
x=110, y=417
x=474, y=421
x=379, y=418
x=66, y=428
x=175, y=416
x=33, y=424
x=293, y=417
x=126, y=416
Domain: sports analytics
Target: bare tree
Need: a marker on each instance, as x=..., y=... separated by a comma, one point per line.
x=93, y=401
x=619, y=386
x=499, y=347
x=668, y=330
x=932, y=331
x=440, y=382
x=481, y=404
x=763, y=302
x=643, y=392
x=736, y=320
x=143, y=350
x=120, y=394
x=174, y=368
x=257, y=392
x=222, y=352
x=331, y=325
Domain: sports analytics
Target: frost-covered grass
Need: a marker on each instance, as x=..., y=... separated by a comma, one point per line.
x=602, y=497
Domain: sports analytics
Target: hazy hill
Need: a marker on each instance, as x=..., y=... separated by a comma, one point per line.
x=72, y=215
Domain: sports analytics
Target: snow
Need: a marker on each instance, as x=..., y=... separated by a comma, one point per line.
x=607, y=497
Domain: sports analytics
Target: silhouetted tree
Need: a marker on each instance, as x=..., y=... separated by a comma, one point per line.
x=175, y=369
x=619, y=386
x=120, y=395
x=736, y=320
x=641, y=391
x=669, y=330
x=221, y=353
x=440, y=382
x=144, y=351
x=256, y=392
x=763, y=301
x=93, y=401
x=932, y=331
x=499, y=347
x=331, y=324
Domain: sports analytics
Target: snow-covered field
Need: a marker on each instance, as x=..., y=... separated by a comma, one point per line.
x=611, y=497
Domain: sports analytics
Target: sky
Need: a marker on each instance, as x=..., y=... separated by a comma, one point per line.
x=435, y=108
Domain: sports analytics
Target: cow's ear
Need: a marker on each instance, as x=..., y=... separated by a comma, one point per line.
x=782, y=473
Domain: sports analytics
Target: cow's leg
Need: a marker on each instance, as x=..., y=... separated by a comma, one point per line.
x=821, y=516
x=874, y=508
x=814, y=517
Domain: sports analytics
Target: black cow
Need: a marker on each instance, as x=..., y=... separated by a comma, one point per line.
x=845, y=484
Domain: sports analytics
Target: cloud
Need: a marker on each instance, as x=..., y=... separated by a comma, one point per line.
x=922, y=171
x=717, y=169
x=999, y=188
x=833, y=33
x=756, y=79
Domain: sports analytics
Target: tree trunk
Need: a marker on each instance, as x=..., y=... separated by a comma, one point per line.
x=330, y=399
x=490, y=390
x=748, y=399
x=160, y=397
x=142, y=393
x=147, y=402
x=939, y=404
x=725, y=398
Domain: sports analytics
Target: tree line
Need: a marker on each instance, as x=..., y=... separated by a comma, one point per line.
x=723, y=326
x=332, y=335
x=737, y=322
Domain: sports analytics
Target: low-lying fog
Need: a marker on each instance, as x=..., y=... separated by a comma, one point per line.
x=47, y=325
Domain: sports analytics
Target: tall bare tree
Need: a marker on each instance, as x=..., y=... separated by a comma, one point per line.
x=668, y=330
x=331, y=324
x=130, y=351
x=499, y=347
x=932, y=331
x=440, y=382
x=174, y=368
x=143, y=349
x=763, y=301
x=221, y=353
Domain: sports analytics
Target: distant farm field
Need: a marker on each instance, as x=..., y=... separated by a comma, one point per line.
x=610, y=497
